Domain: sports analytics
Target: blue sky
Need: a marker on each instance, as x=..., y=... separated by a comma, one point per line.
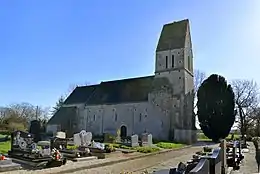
x=45, y=46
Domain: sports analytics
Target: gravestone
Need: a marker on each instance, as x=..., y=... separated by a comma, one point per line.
x=86, y=138
x=215, y=161
x=150, y=140
x=203, y=167
x=35, y=129
x=77, y=139
x=83, y=138
x=144, y=139
x=147, y=139
x=61, y=135
x=134, y=140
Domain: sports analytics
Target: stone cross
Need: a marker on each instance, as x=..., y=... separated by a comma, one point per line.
x=118, y=138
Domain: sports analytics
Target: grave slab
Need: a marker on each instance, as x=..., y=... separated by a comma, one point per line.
x=8, y=165
x=84, y=158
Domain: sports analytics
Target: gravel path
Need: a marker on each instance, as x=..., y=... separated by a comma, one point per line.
x=141, y=165
x=147, y=164
x=249, y=165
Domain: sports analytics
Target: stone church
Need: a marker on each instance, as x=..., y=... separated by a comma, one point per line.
x=161, y=104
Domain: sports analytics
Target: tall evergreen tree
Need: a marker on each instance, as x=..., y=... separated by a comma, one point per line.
x=216, y=103
x=58, y=104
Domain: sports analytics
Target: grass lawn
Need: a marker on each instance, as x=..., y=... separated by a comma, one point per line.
x=166, y=145
x=202, y=137
x=5, y=147
x=163, y=145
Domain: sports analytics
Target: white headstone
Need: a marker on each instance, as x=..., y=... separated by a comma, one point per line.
x=88, y=138
x=83, y=138
x=46, y=152
x=61, y=135
x=149, y=140
x=77, y=139
x=134, y=140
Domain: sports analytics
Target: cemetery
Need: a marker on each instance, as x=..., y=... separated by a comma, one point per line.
x=31, y=151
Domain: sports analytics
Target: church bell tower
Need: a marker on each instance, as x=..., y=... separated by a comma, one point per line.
x=174, y=60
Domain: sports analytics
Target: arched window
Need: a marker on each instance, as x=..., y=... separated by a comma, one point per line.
x=172, y=61
x=166, y=62
x=115, y=116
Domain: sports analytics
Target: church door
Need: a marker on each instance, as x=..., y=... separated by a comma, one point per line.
x=123, y=132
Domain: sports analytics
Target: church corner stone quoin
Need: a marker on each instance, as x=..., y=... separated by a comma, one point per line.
x=161, y=104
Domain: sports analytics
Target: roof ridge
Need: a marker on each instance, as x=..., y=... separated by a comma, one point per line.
x=175, y=22
x=133, y=78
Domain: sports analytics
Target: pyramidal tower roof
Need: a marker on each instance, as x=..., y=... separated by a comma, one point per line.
x=173, y=35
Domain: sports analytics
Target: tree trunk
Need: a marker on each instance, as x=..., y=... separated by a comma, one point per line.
x=242, y=126
x=258, y=128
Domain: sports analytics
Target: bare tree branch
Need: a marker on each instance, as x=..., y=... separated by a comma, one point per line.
x=199, y=77
x=246, y=99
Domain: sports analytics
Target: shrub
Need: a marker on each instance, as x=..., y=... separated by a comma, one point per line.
x=109, y=138
x=202, y=136
x=5, y=147
x=109, y=148
x=98, y=138
x=207, y=149
x=71, y=147
x=118, y=145
x=5, y=132
x=166, y=145
x=13, y=126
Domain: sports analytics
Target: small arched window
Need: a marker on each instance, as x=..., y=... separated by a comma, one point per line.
x=115, y=116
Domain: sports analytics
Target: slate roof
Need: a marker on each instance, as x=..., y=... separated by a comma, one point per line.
x=80, y=94
x=122, y=91
x=173, y=35
x=62, y=115
x=112, y=92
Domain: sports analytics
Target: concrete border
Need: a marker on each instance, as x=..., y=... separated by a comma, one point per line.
x=120, y=160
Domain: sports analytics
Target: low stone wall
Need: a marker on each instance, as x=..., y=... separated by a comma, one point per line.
x=185, y=136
